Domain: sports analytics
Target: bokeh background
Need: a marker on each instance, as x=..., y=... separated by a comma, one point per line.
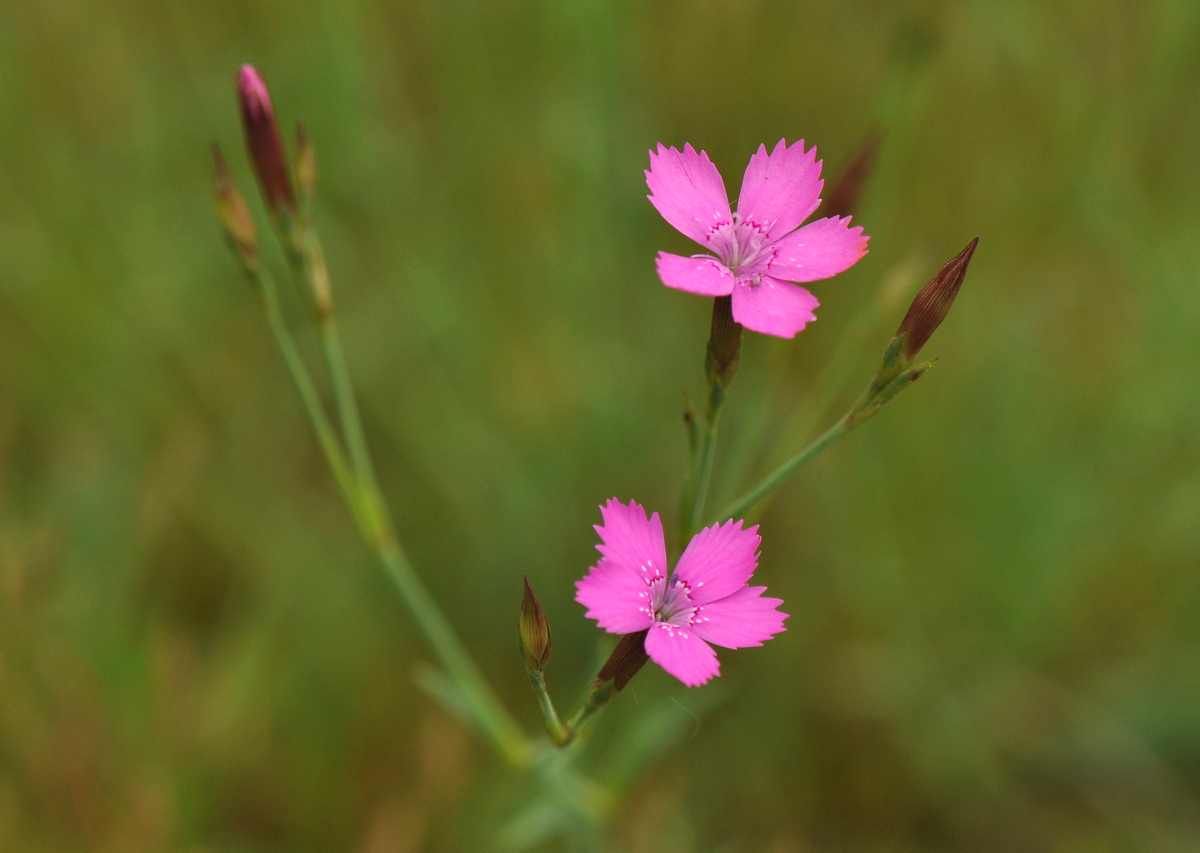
x=994, y=586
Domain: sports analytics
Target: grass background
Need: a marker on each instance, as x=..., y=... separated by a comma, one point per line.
x=995, y=632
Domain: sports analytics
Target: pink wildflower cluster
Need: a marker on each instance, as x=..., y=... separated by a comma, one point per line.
x=757, y=251
x=705, y=600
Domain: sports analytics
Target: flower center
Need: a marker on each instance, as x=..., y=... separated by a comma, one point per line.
x=739, y=244
x=673, y=603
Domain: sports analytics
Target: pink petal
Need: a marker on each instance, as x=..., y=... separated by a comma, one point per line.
x=781, y=189
x=633, y=541
x=703, y=275
x=773, y=307
x=819, y=250
x=718, y=561
x=745, y=618
x=683, y=654
x=617, y=598
x=687, y=190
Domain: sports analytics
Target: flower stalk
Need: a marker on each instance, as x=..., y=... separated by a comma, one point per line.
x=896, y=372
x=695, y=487
x=720, y=366
x=623, y=664
x=776, y=478
x=379, y=531
x=347, y=454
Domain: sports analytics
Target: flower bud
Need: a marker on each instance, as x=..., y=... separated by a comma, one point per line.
x=264, y=142
x=925, y=314
x=626, y=659
x=533, y=631
x=232, y=211
x=933, y=303
x=724, y=341
x=843, y=198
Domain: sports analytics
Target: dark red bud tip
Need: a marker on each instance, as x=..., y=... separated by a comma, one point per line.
x=933, y=303
x=263, y=140
x=533, y=631
x=253, y=89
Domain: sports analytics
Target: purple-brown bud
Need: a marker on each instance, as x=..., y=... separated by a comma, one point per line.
x=724, y=341
x=533, y=631
x=623, y=664
x=843, y=198
x=232, y=211
x=264, y=142
x=933, y=303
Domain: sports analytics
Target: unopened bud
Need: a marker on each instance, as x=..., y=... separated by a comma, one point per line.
x=724, y=341
x=843, y=198
x=264, y=142
x=626, y=659
x=925, y=314
x=232, y=211
x=933, y=303
x=533, y=631
x=306, y=164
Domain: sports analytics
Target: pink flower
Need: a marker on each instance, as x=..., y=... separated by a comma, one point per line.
x=759, y=249
x=705, y=600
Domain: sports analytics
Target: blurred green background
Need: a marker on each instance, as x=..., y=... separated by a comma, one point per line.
x=994, y=587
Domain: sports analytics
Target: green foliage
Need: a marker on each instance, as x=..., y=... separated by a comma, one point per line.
x=995, y=631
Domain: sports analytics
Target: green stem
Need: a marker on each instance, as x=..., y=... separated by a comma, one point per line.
x=360, y=487
x=331, y=446
x=597, y=698
x=720, y=366
x=489, y=714
x=776, y=478
x=894, y=375
x=835, y=375
x=343, y=391
x=626, y=659
x=310, y=266
x=559, y=734
x=348, y=415
x=701, y=477
x=695, y=490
